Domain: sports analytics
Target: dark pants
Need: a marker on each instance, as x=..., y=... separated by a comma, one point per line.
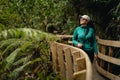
x=90, y=55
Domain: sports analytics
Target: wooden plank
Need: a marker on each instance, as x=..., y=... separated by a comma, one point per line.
x=61, y=62
x=106, y=73
x=75, y=55
x=81, y=77
x=79, y=72
x=64, y=36
x=70, y=42
x=99, y=60
x=110, y=51
x=54, y=56
x=68, y=59
x=109, y=54
x=99, y=47
x=103, y=52
x=81, y=63
x=88, y=75
x=109, y=59
x=109, y=43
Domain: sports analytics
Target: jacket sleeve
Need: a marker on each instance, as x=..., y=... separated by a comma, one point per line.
x=74, y=38
x=95, y=43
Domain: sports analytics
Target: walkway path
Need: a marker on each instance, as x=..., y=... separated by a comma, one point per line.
x=96, y=75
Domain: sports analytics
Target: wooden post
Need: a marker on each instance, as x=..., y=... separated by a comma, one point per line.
x=99, y=48
x=81, y=63
x=103, y=52
x=54, y=56
x=75, y=55
x=61, y=62
x=69, y=72
x=110, y=54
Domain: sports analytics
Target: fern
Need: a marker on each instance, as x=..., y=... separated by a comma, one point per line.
x=16, y=72
x=13, y=45
x=11, y=58
x=23, y=60
x=7, y=42
x=7, y=46
x=21, y=47
x=26, y=33
x=26, y=45
x=2, y=27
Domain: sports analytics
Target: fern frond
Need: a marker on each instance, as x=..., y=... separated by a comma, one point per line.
x=36, y=60
x=9, y=45
x=3, y=36
x=25, y=45
x=9, y=41
x=10, y=59
x=16, y=71
x=26, y=33
x=23, y=60
x=13, y=45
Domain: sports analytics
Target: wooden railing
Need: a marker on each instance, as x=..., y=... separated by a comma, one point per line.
x=70, y=62
x=105, y=56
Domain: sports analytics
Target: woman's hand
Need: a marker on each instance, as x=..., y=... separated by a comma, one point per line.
x=95, y=57
x=80, y=45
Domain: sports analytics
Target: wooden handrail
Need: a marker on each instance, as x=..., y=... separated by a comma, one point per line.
x=63, y=55
x=108, y=42
x=63, y=36
x=102, y=45
x=109, y=59
x=106, y=73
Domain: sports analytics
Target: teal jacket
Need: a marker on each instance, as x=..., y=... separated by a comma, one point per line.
x=88, y=41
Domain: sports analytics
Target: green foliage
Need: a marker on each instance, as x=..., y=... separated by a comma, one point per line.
x=26, y=33
x=2, y=27
x=11, y=58
x=24, y=50
x=38, y=14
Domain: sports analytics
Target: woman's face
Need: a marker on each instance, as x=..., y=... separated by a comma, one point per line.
x=83, y=21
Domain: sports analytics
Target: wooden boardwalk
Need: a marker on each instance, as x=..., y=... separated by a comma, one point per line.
x=96, y=74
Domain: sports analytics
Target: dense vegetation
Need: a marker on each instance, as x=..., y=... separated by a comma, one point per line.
x=25, y=54
x=22, y=23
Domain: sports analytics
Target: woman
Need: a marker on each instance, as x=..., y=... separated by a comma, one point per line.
x=84, y=38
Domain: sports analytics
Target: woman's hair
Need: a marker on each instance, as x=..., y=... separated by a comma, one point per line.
x=91, y=24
